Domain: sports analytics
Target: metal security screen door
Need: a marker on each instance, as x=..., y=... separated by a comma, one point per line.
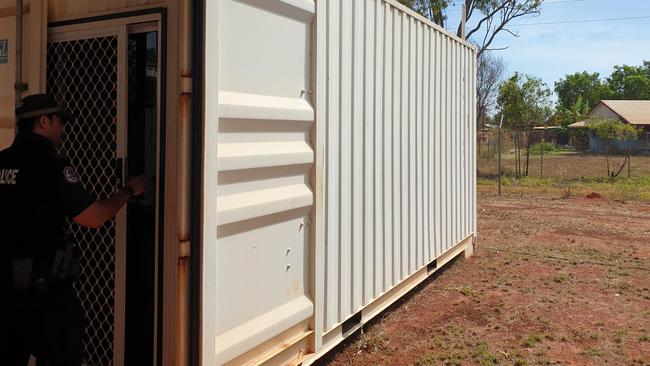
x=86, y=72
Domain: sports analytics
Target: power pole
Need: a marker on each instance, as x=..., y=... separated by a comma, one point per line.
x=463, y=20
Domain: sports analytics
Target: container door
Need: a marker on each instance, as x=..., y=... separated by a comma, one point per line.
x=261, y=265
x=86, y=71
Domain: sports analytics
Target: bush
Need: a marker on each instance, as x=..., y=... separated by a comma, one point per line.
x=545, y=147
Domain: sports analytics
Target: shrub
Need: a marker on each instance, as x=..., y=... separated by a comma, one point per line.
x=545, y=147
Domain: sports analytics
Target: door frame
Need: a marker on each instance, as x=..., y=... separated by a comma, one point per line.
x=123, y=24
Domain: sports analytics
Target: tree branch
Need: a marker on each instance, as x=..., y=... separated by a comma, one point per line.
x=497, y=49
x=488, y=16
x=509, y=31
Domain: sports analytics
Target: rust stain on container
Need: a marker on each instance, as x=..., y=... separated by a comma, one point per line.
x=7, y=122
x=183, y=183
x=182, y=337
x=185, y=249
x=10, y=12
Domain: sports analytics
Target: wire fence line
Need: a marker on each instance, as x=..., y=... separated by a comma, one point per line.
x=565, y=157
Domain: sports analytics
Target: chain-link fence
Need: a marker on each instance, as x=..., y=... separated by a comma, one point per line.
x=548, y=158
x=90, y=143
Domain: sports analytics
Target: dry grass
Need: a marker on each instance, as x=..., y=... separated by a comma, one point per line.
x=621, y=189
x=553, y=281
x=568, y=166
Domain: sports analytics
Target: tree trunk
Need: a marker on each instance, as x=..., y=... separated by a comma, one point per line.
x=625, y=162
x=527, y=154
x=629, y=162
x=516, y=140
x=518, y=154
x=541, y=161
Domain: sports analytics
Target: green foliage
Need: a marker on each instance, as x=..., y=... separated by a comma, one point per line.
x=483, y=356
x=426, y=360
x=545, y=147
x=524, y=101
x=610, y=129
x=630, y=82
x=626, y=82
x=583, y=85
x=576, y=112
x=636, y=87
x=531, y=340
x=431, y=9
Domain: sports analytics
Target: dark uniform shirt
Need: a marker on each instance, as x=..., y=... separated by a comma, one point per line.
x=38, y=190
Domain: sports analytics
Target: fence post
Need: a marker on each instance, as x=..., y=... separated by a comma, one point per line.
x=629, y=162
x=500, y=125
x=541, y=162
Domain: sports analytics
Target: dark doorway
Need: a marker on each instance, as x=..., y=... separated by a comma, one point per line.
x=141, y=251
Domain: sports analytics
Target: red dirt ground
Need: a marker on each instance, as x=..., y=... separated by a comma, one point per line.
x=564, y=282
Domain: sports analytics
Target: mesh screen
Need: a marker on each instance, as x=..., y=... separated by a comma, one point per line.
x=82, y=75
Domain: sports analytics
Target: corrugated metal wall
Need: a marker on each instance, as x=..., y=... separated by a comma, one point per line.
x=392, y=188
x=395, y=108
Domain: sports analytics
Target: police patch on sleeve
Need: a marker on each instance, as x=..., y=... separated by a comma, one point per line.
x=70, y=175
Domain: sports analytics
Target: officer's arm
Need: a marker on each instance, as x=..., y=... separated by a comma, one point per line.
x=101, y=211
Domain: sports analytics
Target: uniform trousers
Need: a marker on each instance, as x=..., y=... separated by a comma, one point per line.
x=47, y=325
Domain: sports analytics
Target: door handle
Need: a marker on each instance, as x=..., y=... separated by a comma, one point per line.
x=119, y=172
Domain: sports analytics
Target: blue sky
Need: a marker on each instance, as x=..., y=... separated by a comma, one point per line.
x=552, y=51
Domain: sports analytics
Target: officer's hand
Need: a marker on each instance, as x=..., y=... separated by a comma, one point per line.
x=139, y=184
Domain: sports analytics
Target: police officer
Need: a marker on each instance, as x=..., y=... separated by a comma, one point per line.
x=38, y=190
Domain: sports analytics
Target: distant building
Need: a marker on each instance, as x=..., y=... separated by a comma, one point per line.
x=549, y=134
x=634, y=112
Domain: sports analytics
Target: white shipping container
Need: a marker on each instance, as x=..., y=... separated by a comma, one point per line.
x=371, y=108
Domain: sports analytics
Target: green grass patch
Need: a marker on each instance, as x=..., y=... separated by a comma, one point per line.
x=594, y=353
x=468, y=291
x=374, y=342
x=620, y=337
x=563, y=278
x=483, y=356
x=426, y=360
x=531, y=340
x=544, y=147
x=633, y=189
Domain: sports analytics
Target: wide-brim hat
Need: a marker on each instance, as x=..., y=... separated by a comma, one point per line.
x=41, y=104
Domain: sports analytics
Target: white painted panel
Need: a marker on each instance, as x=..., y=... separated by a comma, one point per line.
x=437, y=183
x=426, y=225
x=387, y=121
x=332, y=239
x=394, y=169
x=264, y=161
x=368, y=183
x=269, y=57
x=345, y=158
x=396, y=193
x=379, y=148
x=403, y=126
x=357, y=140
x=397, y=181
